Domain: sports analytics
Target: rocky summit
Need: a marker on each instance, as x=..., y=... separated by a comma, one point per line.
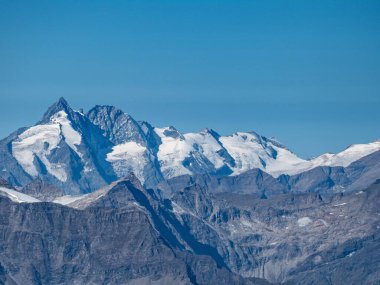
x=101, y=198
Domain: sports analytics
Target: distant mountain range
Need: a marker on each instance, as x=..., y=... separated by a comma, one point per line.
x=101, y=198
x=83, y=152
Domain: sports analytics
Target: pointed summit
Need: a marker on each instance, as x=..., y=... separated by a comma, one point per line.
x=60, y=105
x=211, y=132
x=173, y=133
x=62, y=101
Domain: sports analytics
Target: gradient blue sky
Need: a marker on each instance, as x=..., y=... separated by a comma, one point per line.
x=305, y=72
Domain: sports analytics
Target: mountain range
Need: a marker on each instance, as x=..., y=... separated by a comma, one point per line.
x=80, y=153
x=100, y=198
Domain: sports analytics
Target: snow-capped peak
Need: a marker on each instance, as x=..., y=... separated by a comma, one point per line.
x=60, y=105
x=347, y=156
x=34, y=146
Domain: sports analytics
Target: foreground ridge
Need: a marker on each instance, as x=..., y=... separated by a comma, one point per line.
x=124, y=233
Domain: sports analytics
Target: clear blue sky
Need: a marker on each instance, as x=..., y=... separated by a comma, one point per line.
x=305, y=72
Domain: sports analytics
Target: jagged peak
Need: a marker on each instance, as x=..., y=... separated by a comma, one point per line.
x=275, y=142
x=60, y=105
x=62, y=101
x=260, y=139
x=116, y=125
x=111, y=111
x=146, y=127
x=211, y=132
x=172, y=132
x=146, y=124
x=132, y=178
x=108, y=108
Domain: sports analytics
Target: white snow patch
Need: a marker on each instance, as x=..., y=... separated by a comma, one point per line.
x=302, y=222
x=72, y=137
x=67, y=199
x=250, y=151
x=171, y=153
x=208, y=146
x=177, y=209
x=87, y=169
x=351, y=254
x=39, y=141
x=246, y=150
x=338, y=205
x=246, y=223
x=18, y=196
x=129, y=157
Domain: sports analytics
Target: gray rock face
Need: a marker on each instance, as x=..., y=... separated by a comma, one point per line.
x=116, y=125
x=120, y=237
x=5, y=183
x=120, y=128
x=307, y=238
x=251, y=182
x=42, y=191
x=344, y=261
x=124, y=233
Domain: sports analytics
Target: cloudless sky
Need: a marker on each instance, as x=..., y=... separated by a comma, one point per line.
x=305, y=72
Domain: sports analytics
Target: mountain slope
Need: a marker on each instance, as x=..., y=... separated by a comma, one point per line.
x=64, y=149
x=118, y=237
x=124, y=233
x=304, y=238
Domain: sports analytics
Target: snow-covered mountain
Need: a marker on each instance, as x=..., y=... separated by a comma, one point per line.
x=82, y=152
